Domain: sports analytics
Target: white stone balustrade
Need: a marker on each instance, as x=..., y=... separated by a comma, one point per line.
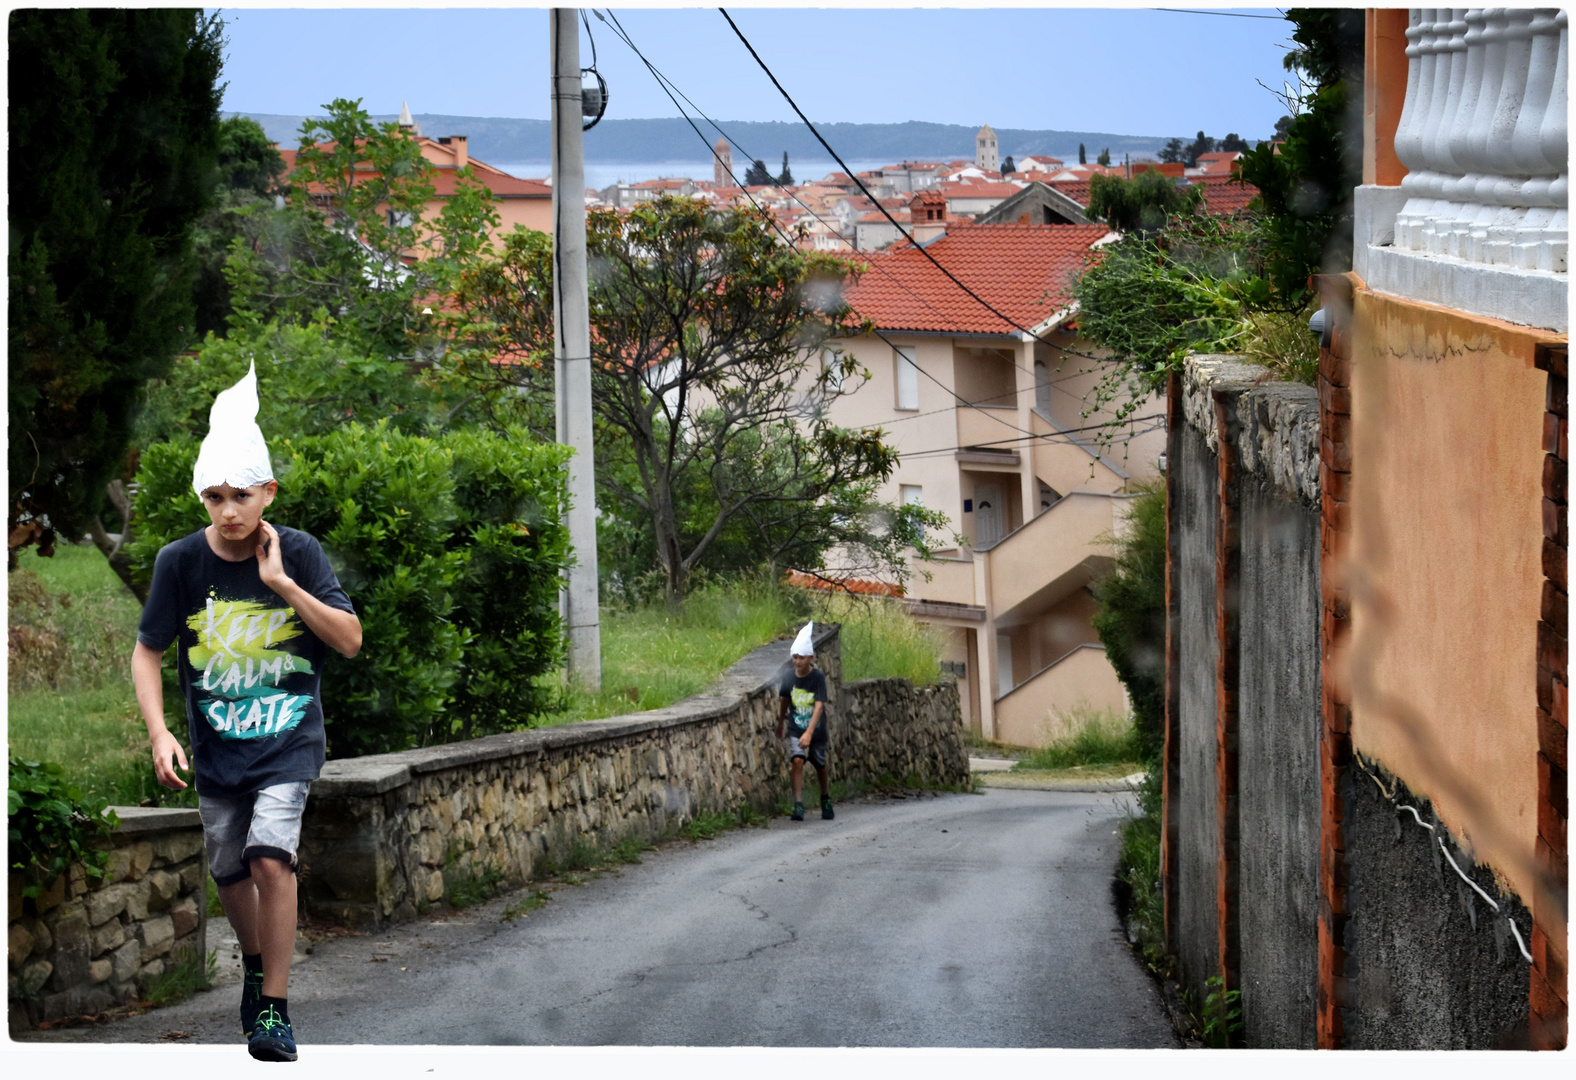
x=1483, y=133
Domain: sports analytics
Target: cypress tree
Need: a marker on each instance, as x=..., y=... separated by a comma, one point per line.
x=114, y=120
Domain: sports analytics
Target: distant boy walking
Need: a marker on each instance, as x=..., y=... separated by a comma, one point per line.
x=802, y=704
x=253, y=610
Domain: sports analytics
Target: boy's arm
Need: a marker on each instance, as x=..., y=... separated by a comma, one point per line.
x=340, y=630
x=815, y=718
x=782, y=713
x=150, y=699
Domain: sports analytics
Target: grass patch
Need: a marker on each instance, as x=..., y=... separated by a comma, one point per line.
x=72, y=625
x=525, y=905
x=653, y=656
x=709, y=824
x=1096, y=738
x=187, y=974
x=1138, y=878
x=881, y=640
x=472, y=888
x=215, y=908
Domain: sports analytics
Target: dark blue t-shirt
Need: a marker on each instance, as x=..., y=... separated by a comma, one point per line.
x=249, y=666
x=802, y=694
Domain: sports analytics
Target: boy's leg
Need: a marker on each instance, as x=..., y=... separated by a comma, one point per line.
x=822, y=782
x=276, y=922
x=226, y=823
x=798, y=779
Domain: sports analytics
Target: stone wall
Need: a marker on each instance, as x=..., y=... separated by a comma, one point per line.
x=84, y=946
x=387, y=835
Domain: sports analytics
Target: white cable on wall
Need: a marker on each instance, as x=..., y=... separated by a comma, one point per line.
x=1440, y=840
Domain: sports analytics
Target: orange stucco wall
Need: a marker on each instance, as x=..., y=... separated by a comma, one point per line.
x=1447, y=413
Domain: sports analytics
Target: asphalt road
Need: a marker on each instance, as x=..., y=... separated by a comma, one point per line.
x=949, y=920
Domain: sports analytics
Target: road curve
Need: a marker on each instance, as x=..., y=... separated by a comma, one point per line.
x=948, y=920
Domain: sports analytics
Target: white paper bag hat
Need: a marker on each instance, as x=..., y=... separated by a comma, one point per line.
x=233, y=452
x=802, y=645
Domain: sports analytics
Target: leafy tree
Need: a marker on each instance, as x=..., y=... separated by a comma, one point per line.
x=1305, y=190
x=1234, y=143
x=1131, y=619
x=355, y=239
x=1282, y=128
x=756, y=175
x=785, y=178
x=1103, y=159
x=1173, y=151
x=114, y=120
x=249, y=168
x=1143, y=204
x=1202, y=144
x=701, y=327
x=1082, y=159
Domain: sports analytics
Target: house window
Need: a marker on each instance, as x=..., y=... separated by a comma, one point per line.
x=907, y=378
x=832, y=364
x=912, y=494
x=400, y=219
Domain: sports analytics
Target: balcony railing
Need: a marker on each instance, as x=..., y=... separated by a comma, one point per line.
x=1483, y=133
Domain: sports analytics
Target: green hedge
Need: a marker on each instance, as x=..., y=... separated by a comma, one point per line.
x=451, y=549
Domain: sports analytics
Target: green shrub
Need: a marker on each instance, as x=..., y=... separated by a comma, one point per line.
x=450, y=548
x=187, y=973
x=880, y=639
x=1096, y=738
x=1131, y=620
x=51, y=824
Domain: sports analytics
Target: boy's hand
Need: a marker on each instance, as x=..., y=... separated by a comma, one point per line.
x=166, y=746
x=804, y=740
x=270, y=561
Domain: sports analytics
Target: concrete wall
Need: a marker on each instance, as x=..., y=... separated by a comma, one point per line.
x=83, y=946
x=1435, y=966
x=1269, y=904
x=1278, y=765
x=1193, y=804
x=387, y=835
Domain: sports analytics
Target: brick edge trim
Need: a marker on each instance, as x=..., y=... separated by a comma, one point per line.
x=1335, y=739
x=1548, y=1004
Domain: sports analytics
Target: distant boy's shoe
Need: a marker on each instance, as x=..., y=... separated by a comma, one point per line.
x=798, y=811
x=272, y=1039
x=826, y=809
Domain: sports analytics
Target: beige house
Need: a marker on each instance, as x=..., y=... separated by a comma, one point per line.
x=990, y=425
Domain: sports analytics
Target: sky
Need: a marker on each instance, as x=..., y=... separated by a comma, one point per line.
x=1125, y=71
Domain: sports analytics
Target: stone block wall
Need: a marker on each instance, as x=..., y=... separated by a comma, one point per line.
x=83, y=946
x=387, y=835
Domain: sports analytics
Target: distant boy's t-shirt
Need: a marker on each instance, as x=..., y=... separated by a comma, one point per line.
x=250, y=668
x=802, y=694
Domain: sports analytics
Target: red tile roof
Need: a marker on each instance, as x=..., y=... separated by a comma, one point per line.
x=498, y=182
x=1024, y=271
x=1221, y=194
x=861, y=586
x=978, y=189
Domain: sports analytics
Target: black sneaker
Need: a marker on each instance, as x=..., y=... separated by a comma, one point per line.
x=798, y=811
x=271, y=1039
x=826, y=809
x=251, y=1000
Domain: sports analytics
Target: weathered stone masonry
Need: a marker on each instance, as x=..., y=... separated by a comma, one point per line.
x=85, y=946
x=386, y=835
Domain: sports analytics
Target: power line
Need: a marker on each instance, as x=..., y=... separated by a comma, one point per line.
x=787, y=97
x=1222, y=14
x=662, y=82
x=670, y=88
x=1060, y=437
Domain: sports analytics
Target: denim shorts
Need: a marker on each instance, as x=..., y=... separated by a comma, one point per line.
x=264, y=824
x=816, y=752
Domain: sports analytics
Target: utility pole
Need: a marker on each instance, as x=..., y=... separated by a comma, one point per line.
x=572, y=348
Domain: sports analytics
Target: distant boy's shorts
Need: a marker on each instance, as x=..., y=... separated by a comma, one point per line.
x=265, y=824
x=816, y=752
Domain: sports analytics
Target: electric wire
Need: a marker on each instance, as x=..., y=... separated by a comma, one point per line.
x=835, y=157
x=670, y=88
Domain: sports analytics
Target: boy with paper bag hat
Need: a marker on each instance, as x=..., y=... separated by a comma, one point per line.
x=802, y=706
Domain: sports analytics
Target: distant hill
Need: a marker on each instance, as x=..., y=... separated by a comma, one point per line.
x=501, y=140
